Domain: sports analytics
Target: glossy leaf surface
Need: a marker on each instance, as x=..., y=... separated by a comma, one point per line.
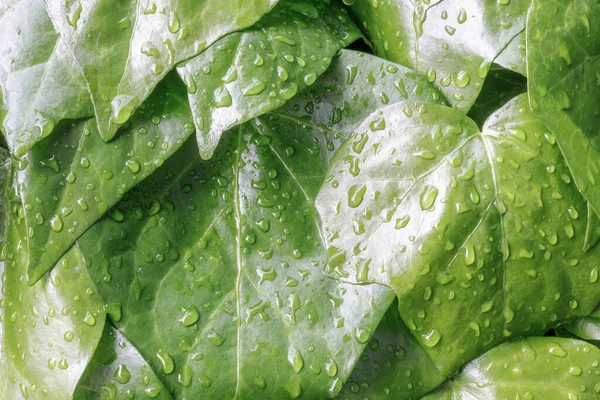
x=118, y=371
x=393, y=365
x=50, y=330
x=73, y=178
x=248, y=73
x=514, y=55
x=39, y=80
x=563, y=49
x=238, y=234
x=124, y=48
x=223, y=258
x=480, y=233
x=535, y=367
x=452, y=42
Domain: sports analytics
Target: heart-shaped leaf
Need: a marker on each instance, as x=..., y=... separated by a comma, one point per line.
x=223, y=258
x=480, y=233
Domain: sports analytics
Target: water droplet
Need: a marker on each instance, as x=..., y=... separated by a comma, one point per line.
x=74, y=14
x=89, y=319
x=166, y=362
x=432, y=338
x=295, y=359
x=56, y=223
x=69, y=335
x=222, y=97
x=256, y=87
x=173, y=22
x=133, y=166
x=122, y=374
x=123, y=107
x=428, y=197
x=356, y=195
x=462, y=79
x=556, y=350
x=190, y=315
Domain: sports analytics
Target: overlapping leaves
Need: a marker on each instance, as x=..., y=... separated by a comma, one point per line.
x=217, y=274
x=224, y=258
x=249, y=73
x=124, y=49
x=451, y=42
x=457, y=221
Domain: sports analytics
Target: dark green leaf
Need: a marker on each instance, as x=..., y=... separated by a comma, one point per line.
x=248, y=73
x=480, y=233
x=393, y=365
x=49, y=331
x=452, y=42
x=72, y=177
x=500, y=86
x=563, y=62
x=39, y=80
x=225, y=263
x=124, y=48
x=224, y=257
x=531, y=368
x=118, y=371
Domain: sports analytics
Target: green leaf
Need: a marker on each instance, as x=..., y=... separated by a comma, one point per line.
x=49, y=331
x=480, y=233
x=223, y=259
x=563, y=63
x=355, y=86
x=393, y=365
x=40, y=82
x=452, y=42
x=72, y=178
x=514, y=56
x=592, y=232
x=534, y=367
x=212, y=251
x=118, y=371
x=249, y=73
x=125, y=48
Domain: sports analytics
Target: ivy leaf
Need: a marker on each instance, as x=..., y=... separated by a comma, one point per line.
x=534, y=367
x=393, y=365
x=452, y=42
x=39, y=81
x=562, y=61
x=249, y=73
x=125, y=48
x=118, y=371
x=48, y=332
x=223, y=258
x=73, y=178
x=480, y=233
